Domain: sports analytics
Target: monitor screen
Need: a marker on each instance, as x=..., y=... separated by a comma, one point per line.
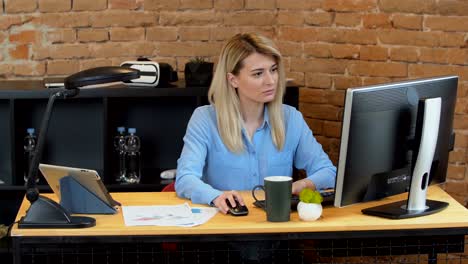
x=379, y=140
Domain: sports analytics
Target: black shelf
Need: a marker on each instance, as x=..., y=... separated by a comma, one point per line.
x=82, y=128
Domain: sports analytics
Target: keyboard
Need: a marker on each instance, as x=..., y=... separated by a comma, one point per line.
x=327, y=194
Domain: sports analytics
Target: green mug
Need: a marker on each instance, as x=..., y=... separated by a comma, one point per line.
x=277, y=197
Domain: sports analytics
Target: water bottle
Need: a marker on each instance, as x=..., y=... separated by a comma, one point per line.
x=29, y=146
x=132, y=160
x=119, y=147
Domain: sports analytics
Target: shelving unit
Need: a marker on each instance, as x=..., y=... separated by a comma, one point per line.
x=82, y=129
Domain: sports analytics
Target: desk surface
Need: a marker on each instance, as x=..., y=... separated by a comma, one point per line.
x=455, y=217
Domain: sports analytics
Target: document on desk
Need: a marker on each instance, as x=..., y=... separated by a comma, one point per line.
x=167, y=215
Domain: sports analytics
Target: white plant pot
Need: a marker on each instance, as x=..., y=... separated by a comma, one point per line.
x=309, y=211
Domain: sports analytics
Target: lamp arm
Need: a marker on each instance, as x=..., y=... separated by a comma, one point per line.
x=32, y=193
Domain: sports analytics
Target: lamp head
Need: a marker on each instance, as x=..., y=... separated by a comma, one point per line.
x=100, y=75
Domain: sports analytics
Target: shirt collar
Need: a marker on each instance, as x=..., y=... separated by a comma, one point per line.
x=266, y=118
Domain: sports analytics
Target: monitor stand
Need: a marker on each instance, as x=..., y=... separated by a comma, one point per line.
x=428, y=121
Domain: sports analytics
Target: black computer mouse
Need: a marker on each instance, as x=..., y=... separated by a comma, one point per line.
x=237, y=210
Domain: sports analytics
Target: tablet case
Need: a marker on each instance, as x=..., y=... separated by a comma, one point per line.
x=77, y=199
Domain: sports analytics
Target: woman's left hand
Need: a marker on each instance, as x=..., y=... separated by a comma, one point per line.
x=297, y=186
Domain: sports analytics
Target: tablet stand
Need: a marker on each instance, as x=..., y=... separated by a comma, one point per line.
x=77, y=199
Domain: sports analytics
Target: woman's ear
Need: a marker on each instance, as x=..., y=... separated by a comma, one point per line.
x=232, y=79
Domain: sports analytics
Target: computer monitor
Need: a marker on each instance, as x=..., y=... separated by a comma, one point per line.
x=392, y=141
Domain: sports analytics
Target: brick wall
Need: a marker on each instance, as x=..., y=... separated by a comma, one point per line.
x=329, y=45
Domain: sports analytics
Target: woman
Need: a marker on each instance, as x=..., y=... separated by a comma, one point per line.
x=246, y=133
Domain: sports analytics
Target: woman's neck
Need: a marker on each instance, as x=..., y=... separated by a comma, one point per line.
x=252, y=114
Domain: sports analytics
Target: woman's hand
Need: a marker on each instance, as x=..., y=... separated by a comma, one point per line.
x=297, y=186
x=231, y=196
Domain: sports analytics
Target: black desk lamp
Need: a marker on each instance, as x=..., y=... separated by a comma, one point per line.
x=44, y=212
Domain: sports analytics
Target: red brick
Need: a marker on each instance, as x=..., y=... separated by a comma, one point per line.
x=344, y=51
x=92, y=63
x=428, y=70
x=194, y=33
x=290, y=48
x=436, y=55
x=454, y=186
x=320, y=111
x=312, y=96
x=7, y=21
x=6, y=70
x=299, y=34
x=296, y=77
x=89, y=5
x=349, y=6
x=408, y=6
x=348, y=19
x=319, y=18
x=161, y=33
x=228, y=4
x=127, y=34
x=457, y=56
x=316, y=125
x=404, y=21
x=196, y=4
x=460, y=122
x=29, y=68
x=63, y=20
x=125, y=4
x=452, y=7
x=61, y=35
x=299, y=4
x=378, y=69
x=319, y=65
x=332, y=129
x=461, y=140
x=290, y=18
x=267, y=31
x=458, y=155
x=348, y=36
x=194, y=18
x=20, y=52
x=54, y=5
x=20, y=6
x=412, y=38
x=379, y=20
x=318, y=50
x=344, y=82
x=224, y=33
x=92, y=35
x=409, y=54
x=187, y=49
x=260, y=4
x=366, y=81
x=69, y=51
x=453, y=40
x=119, y=18
x=62, y=67
x=373, y=53
x=456, y=172
x=25, y=37
x=446, y=23
x=318, y=80
x=257, y=18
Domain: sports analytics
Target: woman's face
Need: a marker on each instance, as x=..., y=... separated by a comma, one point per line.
x=257, y=81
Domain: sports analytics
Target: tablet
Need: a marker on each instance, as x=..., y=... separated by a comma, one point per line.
x=88, y=178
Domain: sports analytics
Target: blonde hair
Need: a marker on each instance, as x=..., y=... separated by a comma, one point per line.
x=225, y=99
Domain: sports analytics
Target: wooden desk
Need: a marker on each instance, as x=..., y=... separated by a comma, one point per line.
x=335, y=223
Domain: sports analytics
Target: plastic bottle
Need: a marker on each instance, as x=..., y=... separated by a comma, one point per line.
x=133, y=172
x=29, y=146
x=119, y=147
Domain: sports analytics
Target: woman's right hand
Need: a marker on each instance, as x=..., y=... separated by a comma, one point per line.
x=231, y=196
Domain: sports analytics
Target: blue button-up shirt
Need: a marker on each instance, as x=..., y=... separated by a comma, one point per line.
x=206, y=167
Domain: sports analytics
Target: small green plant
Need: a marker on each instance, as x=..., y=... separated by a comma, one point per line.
x=3, y=231
x=309, y=196
x=198, y=60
